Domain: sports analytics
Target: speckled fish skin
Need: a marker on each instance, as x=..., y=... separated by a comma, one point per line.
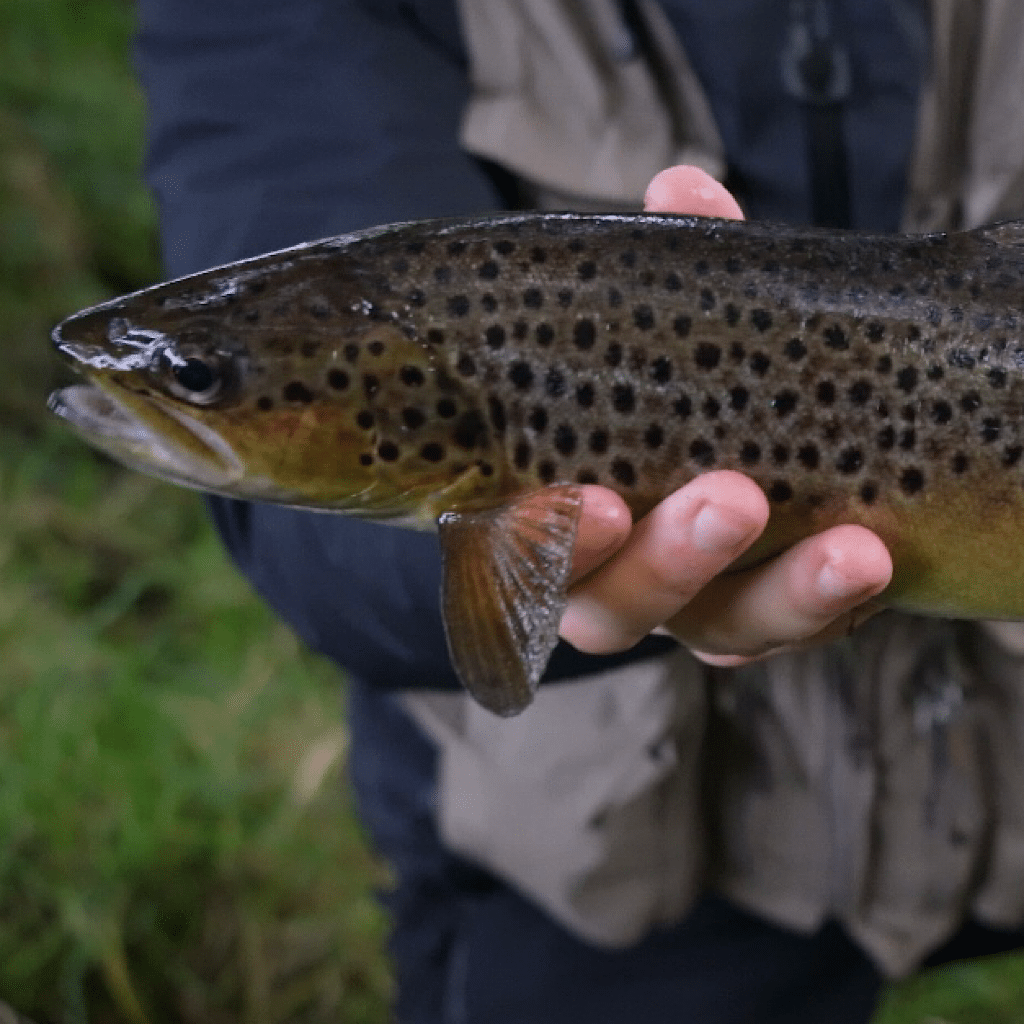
x=448, y=365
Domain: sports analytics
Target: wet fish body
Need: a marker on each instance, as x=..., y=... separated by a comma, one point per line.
x=479, y=370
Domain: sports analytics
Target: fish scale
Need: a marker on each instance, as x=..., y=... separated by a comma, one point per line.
x=461, y=368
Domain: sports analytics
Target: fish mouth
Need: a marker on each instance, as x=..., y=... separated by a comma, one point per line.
x=203, y=460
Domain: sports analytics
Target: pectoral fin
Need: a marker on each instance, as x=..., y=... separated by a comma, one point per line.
x=504, y=591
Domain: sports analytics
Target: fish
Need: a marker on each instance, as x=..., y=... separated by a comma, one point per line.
x=471, y=374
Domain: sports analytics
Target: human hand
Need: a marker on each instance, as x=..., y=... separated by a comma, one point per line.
x=666, y=571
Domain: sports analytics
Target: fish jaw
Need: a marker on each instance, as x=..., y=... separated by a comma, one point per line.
x=174, y=447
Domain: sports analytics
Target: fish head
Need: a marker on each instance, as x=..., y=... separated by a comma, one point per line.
x=273, y=381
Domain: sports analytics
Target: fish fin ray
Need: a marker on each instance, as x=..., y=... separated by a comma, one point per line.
x=506, y=572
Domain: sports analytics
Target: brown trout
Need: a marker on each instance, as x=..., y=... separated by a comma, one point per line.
x=472, y=373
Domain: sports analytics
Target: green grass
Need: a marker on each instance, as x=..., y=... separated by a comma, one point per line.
x=176, y=839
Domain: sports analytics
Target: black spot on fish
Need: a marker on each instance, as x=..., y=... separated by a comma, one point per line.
x=388, y=452
x=546, y=471
x=673, y=282
x=416, y=297
x=613, y=355
x=466, y=366
x=371, y=384
x=760, y=363
x=521, y=375
x=296, y=391
x=850, y=460
x=682, y=407
x=565, y=439
x=737, y=353
x=1011, y=456
x=623, y=398
x=970, y=402
x=585, y=396
x=545, y=334
x=628, y=259
x=707, y=356
x=908, y=438
x=732, y=314
x=412, y=376
x=911, y=480
x=836, y=338
x=614, y=297
x=486, y=469
x=661, y=370
x=413, y=418
x=997, y=377
x=365, y=460
x=489, y=270
x=538, y=419
x=364, y=419
x=522, y=455
x=598, y=441
x=540, y=255
x=623, y=472
x=991, y=427
x=533, y=298
x=432, y=452
x=643, y=317
x=702, y=452
x=435, y=336
x=868, y=493
x=495, y=336
x=586, y=476
x=504, y=247
x=264, y=403
x=809, y=456
x=470, y=430
x=780, y=454
x=942, y=411
x=446, y=408
x=906, y=379
x=565, y=296
x=860, y=391
x=681, y=325
x=875, y=331
x=587, y=270
x=584, y=334
x=443, y=274
x=654, y=436
x=375, y=348
x=795, y=349
x=960, y=463
x=738, y=398
x=707, y=300
x=780, y=491
x=936, y=372
x=826, y=392
x=351, y=352
x=733, y=265
x=883, y=364
x=711, y=407
x=784, y=402
x=458, y=305
x=750, y=453
x=700, y=268
x=886, y=438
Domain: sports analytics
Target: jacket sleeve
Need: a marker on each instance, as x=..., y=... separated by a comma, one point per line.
x=272, y=123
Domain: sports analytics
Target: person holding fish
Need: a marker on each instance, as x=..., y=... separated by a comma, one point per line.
x=738, y=795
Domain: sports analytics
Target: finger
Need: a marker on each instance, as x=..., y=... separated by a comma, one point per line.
x=686, y=189
x=799, y=595
x=604, y=525
x=670, y=555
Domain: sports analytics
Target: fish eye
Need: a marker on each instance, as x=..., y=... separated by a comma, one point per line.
x=196, y=379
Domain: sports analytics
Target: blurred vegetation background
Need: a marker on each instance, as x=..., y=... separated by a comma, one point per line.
x=176, y=837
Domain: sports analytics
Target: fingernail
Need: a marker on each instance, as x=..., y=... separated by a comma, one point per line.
x=715, y=530
x=835, y=585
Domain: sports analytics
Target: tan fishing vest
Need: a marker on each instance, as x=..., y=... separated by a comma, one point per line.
x=879, y=781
